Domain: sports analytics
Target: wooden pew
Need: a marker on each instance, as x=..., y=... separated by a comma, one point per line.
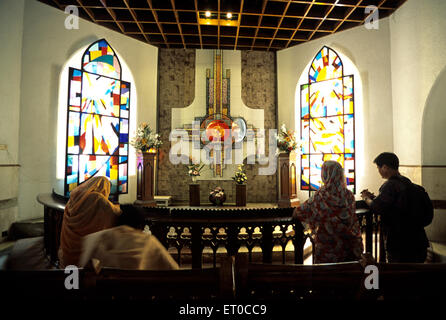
x=105, y=284
x=236, y=279
x=158, y=285
x=411, y=281
x=298, y=282
x=24, y=285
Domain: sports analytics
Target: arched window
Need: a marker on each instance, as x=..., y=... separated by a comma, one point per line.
x=327, y=119
x=97, y=120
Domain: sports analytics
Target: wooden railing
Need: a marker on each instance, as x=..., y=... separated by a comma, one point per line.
x=225, y=227
x=230, y=229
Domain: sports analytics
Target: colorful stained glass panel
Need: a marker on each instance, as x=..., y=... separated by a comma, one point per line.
x=348, y=95
x=305, y=136
x=75, y=84
x=99, y=135
x=326, y=98
x=97, y=120
x=100, y=95
x=123, y=174
x=100, y=59
x=349, y=127
x=124, y=131
x=305, y=109
x=327, y=120
x=349, y=167
x=106, y=166
x=326, y=135
x=72, y=171
x=326, y=65
x=125, y=99
x=305, y=172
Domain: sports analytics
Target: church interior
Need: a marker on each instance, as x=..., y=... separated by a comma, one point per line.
x=211, y=121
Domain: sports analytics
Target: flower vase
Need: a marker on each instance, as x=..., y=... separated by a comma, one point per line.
x=240, y=195
x=217, y=201
x=194, y=179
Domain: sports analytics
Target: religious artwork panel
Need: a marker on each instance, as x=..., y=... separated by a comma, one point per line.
x=349, y=132
x=305, y=101
x=125, y=99
x=238, y=129
x=99, y=135
x=72, y=174
x=97, y=120
x=100, y=59
x=326, y=98
x=327, y=120
x=73, y=132
x=348, y=95
x=123, y=166
x=315, y=163
x=74, y=92
x=305, y=172
x=100, y=95
x=326, y=135
x=305, y=136
x=326, y=65
x=106, y=166
x=349, y=167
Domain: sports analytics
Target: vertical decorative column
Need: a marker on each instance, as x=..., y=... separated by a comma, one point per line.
x=287, y=180
x=145, y=174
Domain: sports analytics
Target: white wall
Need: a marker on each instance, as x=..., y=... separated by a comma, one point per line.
x=11, y=31
x=369, y=50
x=418, y=56
x=47, y=45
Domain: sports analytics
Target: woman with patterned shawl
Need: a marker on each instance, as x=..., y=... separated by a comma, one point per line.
x=330, y=216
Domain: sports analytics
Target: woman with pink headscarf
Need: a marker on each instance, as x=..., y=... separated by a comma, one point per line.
x=330, y=215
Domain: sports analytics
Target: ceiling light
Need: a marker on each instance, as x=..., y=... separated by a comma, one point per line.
x=229, y=15
x=207, y=14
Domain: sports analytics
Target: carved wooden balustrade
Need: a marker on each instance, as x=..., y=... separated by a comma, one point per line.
x=226, y=228
x=220, y=228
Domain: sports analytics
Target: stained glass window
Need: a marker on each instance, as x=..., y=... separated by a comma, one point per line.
x=327, y=120
x=98, y=120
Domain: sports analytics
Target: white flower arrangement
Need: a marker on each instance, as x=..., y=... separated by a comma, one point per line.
x=286, y=140
x=145, y=139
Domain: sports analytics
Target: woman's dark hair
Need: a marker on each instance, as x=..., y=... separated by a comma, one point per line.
x=387, y=158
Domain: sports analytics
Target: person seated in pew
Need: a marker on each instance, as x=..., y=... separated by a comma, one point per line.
x=330, y=215
x=91, y=229
x=124, y=247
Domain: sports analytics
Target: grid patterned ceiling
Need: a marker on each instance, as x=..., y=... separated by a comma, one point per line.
x=268, y=25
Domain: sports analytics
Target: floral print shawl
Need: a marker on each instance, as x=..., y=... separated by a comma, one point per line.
x=330, y=215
